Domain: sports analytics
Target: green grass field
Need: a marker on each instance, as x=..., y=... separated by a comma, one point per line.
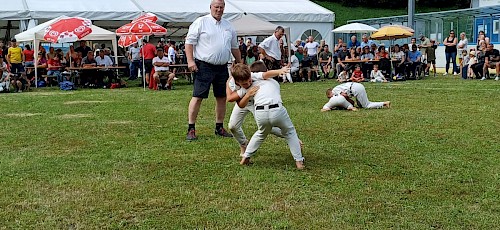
x=118, y=159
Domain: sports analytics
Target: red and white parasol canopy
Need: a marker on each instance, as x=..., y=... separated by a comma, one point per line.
x=69, y=29
x=128, y=40
x=146, y=17
x=141, y=28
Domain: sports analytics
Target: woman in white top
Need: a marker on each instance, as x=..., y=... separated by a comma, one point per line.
x=462, y=45
x=400, y=57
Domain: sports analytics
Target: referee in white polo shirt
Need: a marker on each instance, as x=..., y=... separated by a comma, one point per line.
x=209, y=44
x=271, y=49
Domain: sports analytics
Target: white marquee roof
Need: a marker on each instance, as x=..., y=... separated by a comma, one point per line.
x=167, y=11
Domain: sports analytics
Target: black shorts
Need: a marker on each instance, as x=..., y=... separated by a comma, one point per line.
x=314, y=59
x=16, y=68
x=148, y=65
x=272, y=65
x=207, y=75
x=431, y=62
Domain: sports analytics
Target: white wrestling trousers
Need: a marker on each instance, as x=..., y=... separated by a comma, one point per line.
x=236, y=121
x=267, y=119
x=358, y=90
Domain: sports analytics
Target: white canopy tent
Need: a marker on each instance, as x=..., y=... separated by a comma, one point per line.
x=303, y=16
x=36, y=35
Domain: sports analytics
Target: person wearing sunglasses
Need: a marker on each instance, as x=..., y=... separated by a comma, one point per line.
x=450, y=51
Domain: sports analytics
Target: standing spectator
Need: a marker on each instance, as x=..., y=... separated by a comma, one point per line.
x=29, y=56
x=134, y=56
x=271, y=50
x=208, y=51
x=424, y=44
x=312, y=48
x=15, y=58
x=83, y=48
x=171, y=52
x=149, y=52
x=3, y=50
x=462, y=45
x=451, y=52
x=243, y=49
x=353, y=42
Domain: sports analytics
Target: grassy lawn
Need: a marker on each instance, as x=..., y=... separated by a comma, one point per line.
x=93, y=159
x=343, y=13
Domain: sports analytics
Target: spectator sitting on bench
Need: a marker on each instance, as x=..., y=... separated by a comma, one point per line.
x=54, y=66
x=492, y=61
x=4, y=77
x=162, y=73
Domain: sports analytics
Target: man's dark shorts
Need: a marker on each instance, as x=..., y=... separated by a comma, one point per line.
x=207, y=75
x=16, y=68
x=148, y=65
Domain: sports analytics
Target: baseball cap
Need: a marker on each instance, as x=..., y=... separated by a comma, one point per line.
x=13, y=40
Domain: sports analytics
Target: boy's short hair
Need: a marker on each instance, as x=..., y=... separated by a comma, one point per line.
x=328, y=91
x=375, y=66
x=258, y=66
x=240, y=72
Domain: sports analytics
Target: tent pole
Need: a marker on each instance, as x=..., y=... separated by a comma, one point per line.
x=143, y=68
x=35, y=48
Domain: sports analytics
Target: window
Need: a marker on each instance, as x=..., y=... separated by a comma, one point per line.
x=496, y=26
x=314, y=33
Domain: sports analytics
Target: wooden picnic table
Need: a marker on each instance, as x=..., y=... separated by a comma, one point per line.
x=183, y=69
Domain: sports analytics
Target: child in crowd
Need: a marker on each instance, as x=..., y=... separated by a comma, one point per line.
x=357, y=75
x=269, y=110
x=464, y=67
x=338, y=102
x=376, y=75
x=343, y=76
x=431, y=57
x=472, y=60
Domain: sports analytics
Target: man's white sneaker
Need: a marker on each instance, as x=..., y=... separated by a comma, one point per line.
x=444, y=74
x=175, y=79
x=484, y=78
x=497, y=78
x=455, y=73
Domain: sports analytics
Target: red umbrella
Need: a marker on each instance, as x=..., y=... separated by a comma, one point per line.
x=146, y=17
x=68, y=29
x=128, y=40
x=141, y=28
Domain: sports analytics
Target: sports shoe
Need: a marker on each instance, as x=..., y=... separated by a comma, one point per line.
x=223, y=133
x=444, y=74
x=497, y=78
x=484, y=78
x=175, y=79
x=191, y=135
x=455, y=73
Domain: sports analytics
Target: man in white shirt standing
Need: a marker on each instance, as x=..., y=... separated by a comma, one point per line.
x=271, y=50
x=312, y=48
x=162, y=73
x=209, y=44
x=135, y=61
